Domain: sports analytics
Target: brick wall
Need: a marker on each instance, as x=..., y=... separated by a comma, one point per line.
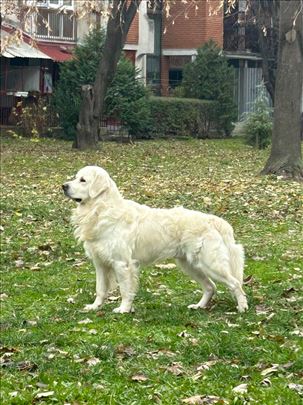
x=190, y=25
x=214, y=22
x=186, y=33
x=164, y=76
x=133, y=33
x=130, y=55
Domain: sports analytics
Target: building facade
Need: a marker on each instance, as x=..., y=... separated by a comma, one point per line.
x=160, y=43
x=32, y=46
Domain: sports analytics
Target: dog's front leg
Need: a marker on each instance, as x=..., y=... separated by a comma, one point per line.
x=102, y=286
x=127, y=277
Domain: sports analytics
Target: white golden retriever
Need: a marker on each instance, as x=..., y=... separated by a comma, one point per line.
x=119, y=235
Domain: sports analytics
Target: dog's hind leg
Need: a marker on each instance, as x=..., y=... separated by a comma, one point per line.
x=216, y=261
x=127, y=277
x=234, y=286
x=208, y=285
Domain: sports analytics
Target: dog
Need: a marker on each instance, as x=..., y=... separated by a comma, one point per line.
x=120, y=235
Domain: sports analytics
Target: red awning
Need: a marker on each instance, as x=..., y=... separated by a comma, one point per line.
x=58, y=53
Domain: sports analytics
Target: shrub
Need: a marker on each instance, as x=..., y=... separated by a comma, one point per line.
x=209, y=77
x=181, y=116
x=258, y=124
x=34, y=117
x=178, y=92
x=126, y=97
x=73, y=74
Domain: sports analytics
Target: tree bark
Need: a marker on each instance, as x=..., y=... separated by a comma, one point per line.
x=85, y=140
x=121, y=16
x=285, y=157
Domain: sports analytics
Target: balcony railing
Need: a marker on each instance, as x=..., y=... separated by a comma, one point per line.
x=55, y=25
x=233, y=41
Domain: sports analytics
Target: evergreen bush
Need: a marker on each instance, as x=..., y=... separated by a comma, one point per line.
x=209, y=77
x=73, y=74
x=258, y=123
x=126, y=98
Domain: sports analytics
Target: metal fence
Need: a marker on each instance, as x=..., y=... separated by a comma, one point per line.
x=248, y=83
x=246, y=88
x=114, y=130
x=7, y=102
x=39, y=110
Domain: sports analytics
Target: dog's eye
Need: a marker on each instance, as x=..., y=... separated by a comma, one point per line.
x=82, y=180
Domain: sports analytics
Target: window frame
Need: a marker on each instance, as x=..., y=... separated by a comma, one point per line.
x=49, y=35
x=60, y=4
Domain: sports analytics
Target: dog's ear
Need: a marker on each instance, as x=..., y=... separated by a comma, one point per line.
x=98, y=186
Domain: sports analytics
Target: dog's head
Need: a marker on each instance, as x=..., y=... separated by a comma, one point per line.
x=89, y=183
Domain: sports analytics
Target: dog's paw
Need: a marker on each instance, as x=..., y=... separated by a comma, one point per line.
x=196, y=306
x=193, y=306
x=242, y=304
x=123, y=310
x=242, y=308
x=91, y=307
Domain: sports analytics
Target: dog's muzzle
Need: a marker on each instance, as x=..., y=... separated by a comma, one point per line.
x=65, y=188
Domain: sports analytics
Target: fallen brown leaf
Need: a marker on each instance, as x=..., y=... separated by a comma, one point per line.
x=266, y=382
x=125, y=351
x=240, y=389
x=45, y=394
x=176, y=369
x=296, y=387
x=204, y=399
x=139, y=378
x=288, y=292
x=270, y=370
x=93, y=361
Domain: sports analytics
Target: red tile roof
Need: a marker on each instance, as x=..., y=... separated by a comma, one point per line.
x=59, y=53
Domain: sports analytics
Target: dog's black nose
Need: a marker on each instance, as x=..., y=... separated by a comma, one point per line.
x=65, y=187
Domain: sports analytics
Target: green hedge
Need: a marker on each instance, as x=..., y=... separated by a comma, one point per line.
x=173, y=116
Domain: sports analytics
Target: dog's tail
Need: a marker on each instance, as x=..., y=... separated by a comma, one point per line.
x=236, y=251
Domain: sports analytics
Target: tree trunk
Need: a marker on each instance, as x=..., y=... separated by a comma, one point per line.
x=286, y=158
x=84, y=139
x=121, y=16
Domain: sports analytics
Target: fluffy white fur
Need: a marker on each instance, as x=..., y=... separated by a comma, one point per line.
x=119, y=235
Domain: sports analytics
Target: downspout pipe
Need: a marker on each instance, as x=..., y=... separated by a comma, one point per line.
x=160, y=45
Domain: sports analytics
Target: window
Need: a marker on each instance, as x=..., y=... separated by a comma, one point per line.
x=55, y=25
x=42, y=22
x=153, y=73
x=54, y=21
x=55, y=3
x=68, y=26
x=175, y=77
x=154, y=7
x=242, y=5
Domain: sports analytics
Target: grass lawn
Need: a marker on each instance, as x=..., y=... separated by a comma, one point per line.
x=54, y=353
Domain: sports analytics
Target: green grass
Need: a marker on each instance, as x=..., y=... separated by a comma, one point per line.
x=44, y=348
